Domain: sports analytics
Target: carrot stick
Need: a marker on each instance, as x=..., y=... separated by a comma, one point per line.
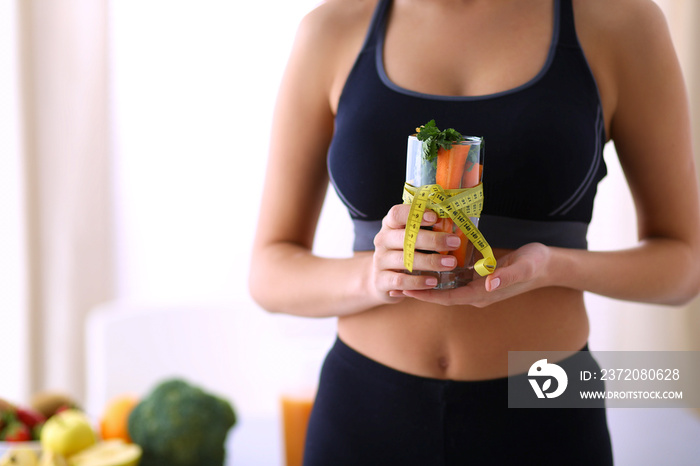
x=472, y=175
x=450, y=166
x=451, y=174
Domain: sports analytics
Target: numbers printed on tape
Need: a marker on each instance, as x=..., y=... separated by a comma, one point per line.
x=457, y=204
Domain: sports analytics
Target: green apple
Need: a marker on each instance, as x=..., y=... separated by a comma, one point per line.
x=108, y=453
x=67, y=433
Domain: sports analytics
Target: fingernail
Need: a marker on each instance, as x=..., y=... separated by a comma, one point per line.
x=448, y=261
x=494, y=283
x=432, y=281
x=430, y=216
x=453, y=241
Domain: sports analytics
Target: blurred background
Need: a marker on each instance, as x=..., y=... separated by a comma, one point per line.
x=133, y=143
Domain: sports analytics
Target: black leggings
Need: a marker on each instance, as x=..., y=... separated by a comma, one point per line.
x=366, y=413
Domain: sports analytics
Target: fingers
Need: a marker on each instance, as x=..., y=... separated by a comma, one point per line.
x=393, y=260
x=518, y=272
x=473, y=294
x=389, y=277
x=394, y=283
x=389, y=238
x=391, y=235
x=477, y=293
x=519, y=267
x=398, y=214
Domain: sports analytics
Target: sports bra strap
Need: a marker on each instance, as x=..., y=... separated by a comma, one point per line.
x=567, y=26
x=376, y=26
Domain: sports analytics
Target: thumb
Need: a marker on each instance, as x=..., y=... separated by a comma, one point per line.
x=503, y=277
x=507, y=275
x=492, y=282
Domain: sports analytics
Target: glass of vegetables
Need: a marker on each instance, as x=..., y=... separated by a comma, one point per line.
x=452, y=161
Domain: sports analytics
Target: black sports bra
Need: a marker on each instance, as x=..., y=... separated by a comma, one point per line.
x=544, y=143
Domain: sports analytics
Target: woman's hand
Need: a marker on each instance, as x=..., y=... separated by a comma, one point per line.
x=519, y=271
x=387, y=279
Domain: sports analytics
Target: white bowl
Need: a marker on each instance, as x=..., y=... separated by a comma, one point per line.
x=7, y=446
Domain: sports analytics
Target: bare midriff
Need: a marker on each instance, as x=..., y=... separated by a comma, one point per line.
x=464, y=342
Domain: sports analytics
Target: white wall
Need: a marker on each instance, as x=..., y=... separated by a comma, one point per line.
x=193, y=89
x=194, y=84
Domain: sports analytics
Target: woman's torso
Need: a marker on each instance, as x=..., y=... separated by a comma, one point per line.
x=512, y=49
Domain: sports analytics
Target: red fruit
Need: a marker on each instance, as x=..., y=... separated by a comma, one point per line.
x=30, y=417
x=17, y=432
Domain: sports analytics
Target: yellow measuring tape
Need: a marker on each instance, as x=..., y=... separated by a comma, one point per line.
x=457, y=204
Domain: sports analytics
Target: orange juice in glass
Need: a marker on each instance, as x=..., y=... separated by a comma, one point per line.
x=296, y=409
x=460, y=166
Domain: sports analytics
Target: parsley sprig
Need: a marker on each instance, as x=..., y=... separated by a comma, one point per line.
x=433, y=139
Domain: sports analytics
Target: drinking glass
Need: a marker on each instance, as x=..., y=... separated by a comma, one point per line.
x=296, y=409
x=459, y=167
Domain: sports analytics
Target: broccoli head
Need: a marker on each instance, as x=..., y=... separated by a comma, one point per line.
x=179, y=424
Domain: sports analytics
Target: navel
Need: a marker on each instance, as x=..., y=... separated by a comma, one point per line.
x=443, y=363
